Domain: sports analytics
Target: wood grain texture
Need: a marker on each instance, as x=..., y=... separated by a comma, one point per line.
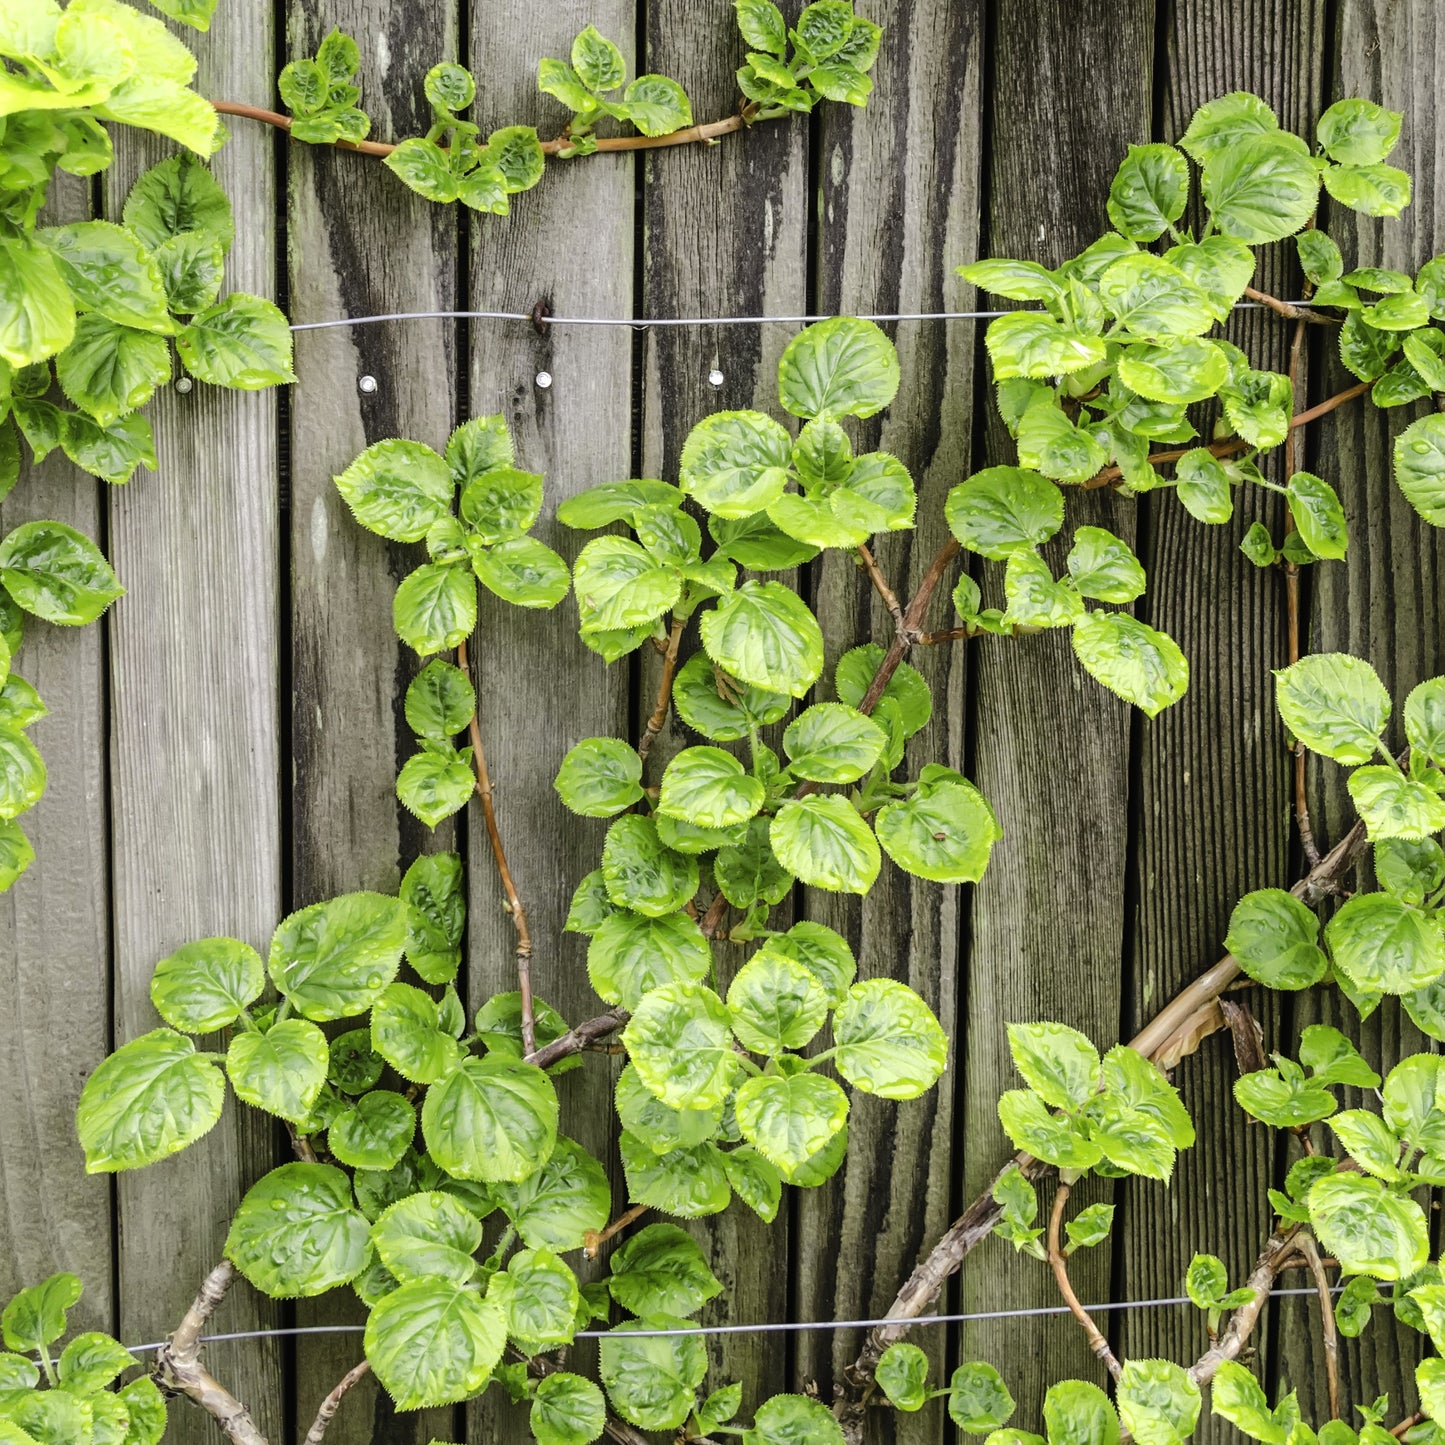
x=1048, y=924
x=1215, y=780
x=569, y=243
x=1386, y=601
x=726, y=234
x=359, y=242
x=899, y=201
x=194, y=729
x=54, y=923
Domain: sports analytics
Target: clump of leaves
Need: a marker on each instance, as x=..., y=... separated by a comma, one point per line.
x=827, y=56
x=322, y=93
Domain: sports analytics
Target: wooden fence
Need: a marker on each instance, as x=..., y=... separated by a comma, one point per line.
x=223, y=749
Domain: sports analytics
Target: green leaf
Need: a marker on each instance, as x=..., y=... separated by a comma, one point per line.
x=1050, y=443
x=111, y=452
x=407, y=1033
x=599, y=777
x=1369, y=1142
x=653, y=1123
x=1104, y=567
x=1090, y=1226
x=1425, y=351
x=1143, y=666
x=734, y=463
x=428, y=1235
x=1318, y=514
x=1275, y=938
x=1239, y=1398
x=1035, y=599
x=1158, y=1402
x=1221, y=267
x=1420, y=467
x=1365, y=350
x=107, y=272
x=755, y=1181
x=1221, y=123
x=1185, y=370
x=789, y=1118
x=1018, y=280
x=1380, y=943
x=660, y=1270
x=619, y=584
x=374, y=1133
x=641, y=874
x=1076, y=1413
x=1335, y=704
x=754, y=542
x=1280, y=1101
x=334, y=959
x=652, y=1381
x=708, y=787
x=567, y=1409
x=614, y=502
x=1152, y=298
x=281, y=1070
x=242, y=342
x=902, y=1375
x=1259, y=190
x=748, y=871
x=1032, y=1127
x=1368, y=1229
x=540, y=1296
x=1392, y=805
x=776, y=1004
x=440, y=701
x=1358, y=132
x=762, y=26
x=500, y=503
x=177, y=196
x=794, y=1419
x=656, y=105
x=37, y=315
x=1058, y=1063
x=1257, y=405
x=824, y=953
x=1149, y=192
x=888, y=1041
x=422, y=167
x=57, y=573
x=398, y=489
x=680, y=1041
x=491, y=1119
x=354, y=1067
x=1026, y=343
x=147, y=1101
x=522, y=571
x=764, y=635
x=944, y=832
x=1002, y=510
x=833, y=743
x=822, y=841
x=434, y=1343
x=1371, y=190
x=22, y=776
x=92, y=1361
x=436, y=782
x=689, y=1183
x=597, y=61
x=719, y=707
x=109, y=370
x=435, y=908
x=36, y=1317
x=205, y=986
x=435, y=608
x=838, y=367
x=630, y=955
x=906, y=689
x=558, y=1205
x=297, y=1232
x=978, y=1399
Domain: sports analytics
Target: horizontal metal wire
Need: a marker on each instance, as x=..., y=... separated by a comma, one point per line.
x=643, y=323
x=784, y=1326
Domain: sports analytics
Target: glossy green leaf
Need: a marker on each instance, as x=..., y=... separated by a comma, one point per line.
x=708, y=787
x=631, y=954
x=1380, y=943
x=1026, y=343
x=206, y=985
x=1002, y=510
x=643, y=875
x=764, y=635
x=1275, y=938
x=888, y=1041
x=652, y=1381
x=838, y=367
x=789, y=1118
x=599, y=777
x=661, y=1270
x=978, y=1399
x=734, y=463
x=281, y=1070
x=822, y=841
x=407, y=1033
x=567, y=1409
x=435, y=608
x=1259, y=190
x=1143, y=666
x=398, y=489
x=334, y=959
x=680, y=1041
x=434, y=1343
x=435, y=909
x=1368, y=1229
x=241, y=342
x=944, y=832
x=1393, y=805
x=902, y=1375
x=1149, y=191
x=374, y=1133
x=440, y=701
x=776, y=1004
x=57, y=573
x=491, y=1119
x=558, y=1205
x=1419, y=455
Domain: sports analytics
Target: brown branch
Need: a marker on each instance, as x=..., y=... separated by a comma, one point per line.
x=664, y=689
x=908, y=632
x=332, y=1402
x=880, y=583
x=1329, y=1330
x=499, y=855
x=689, y=135
x=1272, y=1260
x=1408, y=1423
x=1303, y=314
x=178, y=1367
x=596, y=1238
x=717, y=911
x=1058, y=1262
x=575, y=1040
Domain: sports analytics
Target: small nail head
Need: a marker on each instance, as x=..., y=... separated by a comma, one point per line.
x=183, y=384
x=715, y=377
x=544, y=379
x=367, y=386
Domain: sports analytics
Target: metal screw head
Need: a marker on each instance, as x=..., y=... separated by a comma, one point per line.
x=715, y=377
x=367, y=386
x=544, y=379
x=183, y=384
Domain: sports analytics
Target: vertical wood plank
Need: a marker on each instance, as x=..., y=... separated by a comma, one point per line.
x=1215, y=782
x=726, y=230
x=194, y=713
x=1048, y=922
x=1386, y=601
x=360, y=243
x=568, y=242
x=899, y=204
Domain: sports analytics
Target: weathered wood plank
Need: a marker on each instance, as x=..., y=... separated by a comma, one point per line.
x=1386, y=601
x=54, y=926
x=568, y=242
x=195, y=765
x=899, y=210
x=360, y=243
x=1215, y=780
x=1048, y=923
x=726, y=231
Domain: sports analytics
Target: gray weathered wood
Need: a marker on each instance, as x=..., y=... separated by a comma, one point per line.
x=1215, y=780
x=569, y=243
x=359, y=243
x=1048, y=921
x=899, y=210
x=195, y=771
x=1386, y=601
x=726, y=233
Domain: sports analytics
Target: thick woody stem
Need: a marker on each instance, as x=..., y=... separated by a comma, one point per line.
x=1329, y=1330
x=1272, y=1260
x=179, y=1370
x=332, y=1402
x=880, y=583
x=664, y=689
x=1058, y=1262
x=499, y=855
x=575, y=1040
x=1303, y=314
